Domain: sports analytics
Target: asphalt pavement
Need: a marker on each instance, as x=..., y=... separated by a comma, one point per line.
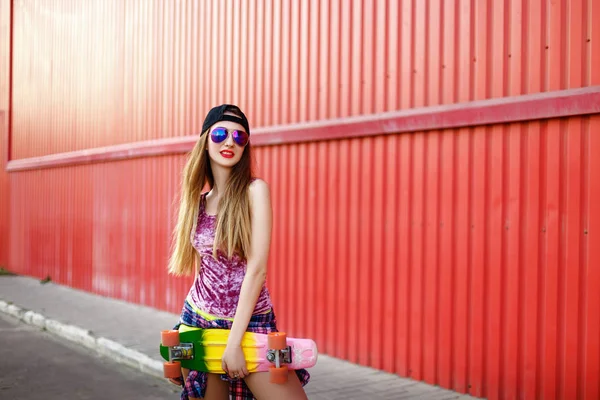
x=39, y=365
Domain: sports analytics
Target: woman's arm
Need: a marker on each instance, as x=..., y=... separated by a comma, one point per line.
x=256, y=271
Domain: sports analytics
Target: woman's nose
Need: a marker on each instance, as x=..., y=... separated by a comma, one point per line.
x=229, y=140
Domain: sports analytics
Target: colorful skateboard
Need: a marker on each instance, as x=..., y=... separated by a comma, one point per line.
x=202, y=350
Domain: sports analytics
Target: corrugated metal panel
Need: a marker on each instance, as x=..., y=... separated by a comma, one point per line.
x=106, y=72
x=4, y=197
x=462, y=258
x=454, y=257
x=76, y=226
x=5, y=14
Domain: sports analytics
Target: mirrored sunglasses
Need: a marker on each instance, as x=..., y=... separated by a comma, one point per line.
x=219, y=135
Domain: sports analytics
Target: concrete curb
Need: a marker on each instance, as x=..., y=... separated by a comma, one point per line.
x=75, y=334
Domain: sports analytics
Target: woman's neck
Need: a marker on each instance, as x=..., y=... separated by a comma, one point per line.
x=220, y=175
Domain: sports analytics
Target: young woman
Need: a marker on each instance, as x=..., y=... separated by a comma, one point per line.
x=223, y=237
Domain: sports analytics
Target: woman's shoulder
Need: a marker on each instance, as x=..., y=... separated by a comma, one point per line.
x=259, y=189
x=257, y=185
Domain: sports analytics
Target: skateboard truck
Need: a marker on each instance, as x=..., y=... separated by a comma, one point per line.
x=285, y=355
x=184, y=351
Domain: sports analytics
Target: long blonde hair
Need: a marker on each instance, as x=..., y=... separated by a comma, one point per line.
x=233, y=228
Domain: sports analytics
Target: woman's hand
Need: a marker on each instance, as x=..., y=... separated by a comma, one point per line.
x=234, y=363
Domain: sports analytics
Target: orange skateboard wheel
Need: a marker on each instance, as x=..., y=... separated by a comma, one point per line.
x=172, y=369
x=278, y=375
x=277, y=340
x=169, y=338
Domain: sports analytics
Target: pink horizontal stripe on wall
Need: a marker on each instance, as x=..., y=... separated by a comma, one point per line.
x=562, y=103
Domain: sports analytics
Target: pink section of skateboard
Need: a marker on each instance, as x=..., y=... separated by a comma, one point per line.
x=304, y=353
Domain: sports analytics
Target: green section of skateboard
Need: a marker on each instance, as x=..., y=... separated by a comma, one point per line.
x=197, y=363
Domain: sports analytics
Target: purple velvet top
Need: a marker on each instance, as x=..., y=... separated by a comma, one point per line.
x=216, y=289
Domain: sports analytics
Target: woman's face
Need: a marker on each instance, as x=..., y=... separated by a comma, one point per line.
x=226, y=153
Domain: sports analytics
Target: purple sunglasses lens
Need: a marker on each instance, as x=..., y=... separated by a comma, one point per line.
x=218, y=135
x=240, y=137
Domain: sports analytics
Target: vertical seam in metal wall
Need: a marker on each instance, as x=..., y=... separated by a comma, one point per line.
x=544, y=57
x=470, y=169
x=452, y=226
x=472, y=54
x=583, y=261
x=426, y=57
x=10, y=82
x=409, y=253
x=411, y=68
x=423, y=248
x=505, y=211
x=438, y=246
x=541, y=253
x=485, y=252
x=562, y=255
x=524, y=195
x=564, y=44
x=525, y=46
x=440, y=240
x=504, y=243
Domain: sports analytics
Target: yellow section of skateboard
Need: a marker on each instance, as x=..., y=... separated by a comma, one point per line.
x=214, y=342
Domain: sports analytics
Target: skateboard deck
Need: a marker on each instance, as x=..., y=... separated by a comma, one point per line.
x=202, y=350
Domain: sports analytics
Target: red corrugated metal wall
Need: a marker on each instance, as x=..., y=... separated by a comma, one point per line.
x=467, y=258
x=467, y=251
x=110, y=72
x=5, y=15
